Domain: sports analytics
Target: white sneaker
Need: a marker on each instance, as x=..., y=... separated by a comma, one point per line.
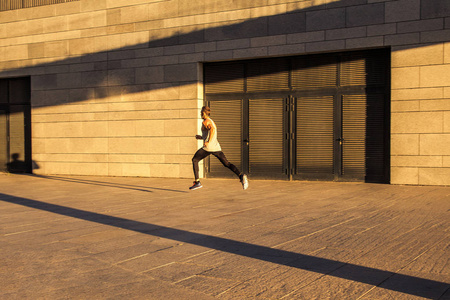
x=244, y=181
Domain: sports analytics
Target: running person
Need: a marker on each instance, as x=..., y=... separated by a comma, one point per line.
x=211, y=146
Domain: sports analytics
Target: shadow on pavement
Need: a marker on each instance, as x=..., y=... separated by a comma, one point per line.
x=397, y=282
x=109, y=184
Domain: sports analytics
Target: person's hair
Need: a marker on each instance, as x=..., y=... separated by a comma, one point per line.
x=206, y=110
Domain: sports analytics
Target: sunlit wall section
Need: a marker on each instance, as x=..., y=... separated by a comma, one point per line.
x=104, y=102
x=18, y=4
x=420, y=130
x=421, y=115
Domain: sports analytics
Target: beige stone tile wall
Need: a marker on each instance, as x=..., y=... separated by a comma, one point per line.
x=116, y=83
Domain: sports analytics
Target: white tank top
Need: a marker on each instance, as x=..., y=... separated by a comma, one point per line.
x=213, y=145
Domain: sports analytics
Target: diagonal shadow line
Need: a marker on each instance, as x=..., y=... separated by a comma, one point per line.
x=407, y=284
x=108, y=184
x=291, y=22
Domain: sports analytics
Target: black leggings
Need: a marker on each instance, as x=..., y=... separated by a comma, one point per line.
x=201, y=154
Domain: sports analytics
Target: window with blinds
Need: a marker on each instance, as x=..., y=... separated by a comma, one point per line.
x=316, y=72
x=266, y=76
x=224, y=78
x=363, y=70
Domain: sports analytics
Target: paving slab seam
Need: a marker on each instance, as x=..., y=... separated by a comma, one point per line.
x=313, y=233
x=441, y=297
x=316, y=219
x=241, y=211
x=377, y=225
x=319, y=218
x=294, y=225
x=267, y=272
x=399, y=271
x=287, y=216
x=380, y=246
x=313, y=281
x=184, y=260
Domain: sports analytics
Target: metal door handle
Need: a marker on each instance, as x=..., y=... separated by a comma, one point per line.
x=340, y=140
x=246, y=142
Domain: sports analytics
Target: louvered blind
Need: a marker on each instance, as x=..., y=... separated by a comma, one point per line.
x=354, y=134
x=360, y=69
x=228, y=118
x=316, y=72
x=315, y=135
x=3, y=139
x=224, y=78
x=375, y=138
x=18, y=4
x=17, y=130
x=3, y=91
x=353, y=71
x=266, y=150
x=270, y=75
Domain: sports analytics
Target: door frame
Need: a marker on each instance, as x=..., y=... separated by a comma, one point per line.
x=245, y=134
x=11, y=105
x=290, y=133
x=338, y=139
x=238, y=90
x=285, y=173
x=5, y=108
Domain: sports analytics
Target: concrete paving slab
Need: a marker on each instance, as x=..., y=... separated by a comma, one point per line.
x=75, y=237
x=279, y=282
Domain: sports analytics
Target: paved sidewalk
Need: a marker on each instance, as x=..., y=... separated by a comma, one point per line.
x=138, y=238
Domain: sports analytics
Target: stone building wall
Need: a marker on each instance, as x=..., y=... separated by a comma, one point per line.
x=117, y=84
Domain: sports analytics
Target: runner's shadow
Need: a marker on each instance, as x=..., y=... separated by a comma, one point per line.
x=406, y=284
x=108, y=184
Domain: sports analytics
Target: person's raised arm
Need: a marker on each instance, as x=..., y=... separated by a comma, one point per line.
x=210, y=128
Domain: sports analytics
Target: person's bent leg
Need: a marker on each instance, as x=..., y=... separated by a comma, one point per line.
x=242, y=177
x=221, y=156
x=198, y=156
